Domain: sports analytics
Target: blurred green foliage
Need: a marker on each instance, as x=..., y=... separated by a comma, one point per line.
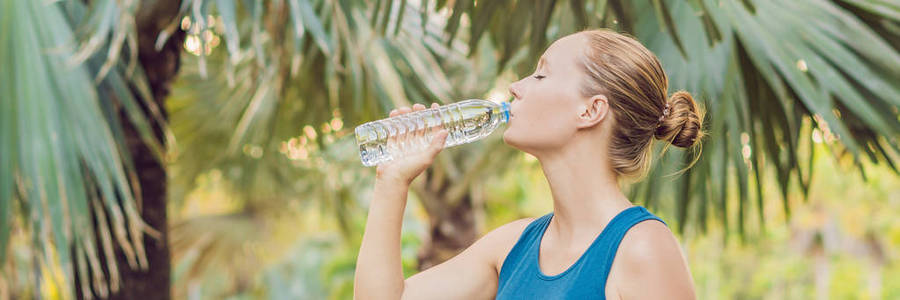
x=852, y=223
x=267, y=196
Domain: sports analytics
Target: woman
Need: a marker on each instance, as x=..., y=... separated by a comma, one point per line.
x=589, y=114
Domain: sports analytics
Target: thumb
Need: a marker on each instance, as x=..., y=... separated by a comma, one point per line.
x=437, y=144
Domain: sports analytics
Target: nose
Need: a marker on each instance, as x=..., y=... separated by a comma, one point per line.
x=515, y=91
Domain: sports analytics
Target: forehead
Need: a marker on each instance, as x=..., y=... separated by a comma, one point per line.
x=564, y=50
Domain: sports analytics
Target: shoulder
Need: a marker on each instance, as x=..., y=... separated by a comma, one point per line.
x=507, y=234
x=649, y=252
x=649, y=239
x=498, y=242
x=511, y=229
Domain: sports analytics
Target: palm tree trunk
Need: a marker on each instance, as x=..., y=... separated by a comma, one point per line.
x=453, y=197
x=453, y=220
x=449, y=233
x=160, y=67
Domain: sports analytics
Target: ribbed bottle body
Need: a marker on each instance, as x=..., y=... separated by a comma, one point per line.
x=466, y=121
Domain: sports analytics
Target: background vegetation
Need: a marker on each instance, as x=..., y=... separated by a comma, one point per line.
x=204, y=149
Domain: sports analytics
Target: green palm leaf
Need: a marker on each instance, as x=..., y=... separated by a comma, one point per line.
x=769, y=74
x=63, y=157
x=761, y=68
x=759, y=90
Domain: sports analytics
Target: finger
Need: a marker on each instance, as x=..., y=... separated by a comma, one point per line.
x=393, y=112
x=433, y=106
x=417, y=131
x=402, y=133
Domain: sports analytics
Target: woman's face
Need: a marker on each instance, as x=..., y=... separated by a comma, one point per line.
x=548, y=103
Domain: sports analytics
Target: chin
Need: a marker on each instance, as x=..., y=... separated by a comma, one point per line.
x=532, y=144
x=510, y=139
x=507, y=136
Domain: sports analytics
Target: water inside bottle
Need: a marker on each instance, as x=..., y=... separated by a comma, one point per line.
x=466, y=121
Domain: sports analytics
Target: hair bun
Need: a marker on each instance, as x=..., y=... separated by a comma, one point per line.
x=683, y=125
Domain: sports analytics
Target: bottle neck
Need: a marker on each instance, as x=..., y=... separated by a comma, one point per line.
x=504, y=111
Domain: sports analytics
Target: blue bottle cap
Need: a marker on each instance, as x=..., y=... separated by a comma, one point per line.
x=505, y=108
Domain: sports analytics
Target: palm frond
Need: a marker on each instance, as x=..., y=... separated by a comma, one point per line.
x=322, y=62
x=63, y=152
x=762, y=69
x=262, y=111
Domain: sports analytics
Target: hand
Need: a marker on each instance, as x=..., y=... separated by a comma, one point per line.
x=406, y=168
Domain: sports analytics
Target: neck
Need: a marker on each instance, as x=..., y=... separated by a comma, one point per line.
x=586, y=194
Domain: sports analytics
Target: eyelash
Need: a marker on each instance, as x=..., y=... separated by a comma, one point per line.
x=539, y=77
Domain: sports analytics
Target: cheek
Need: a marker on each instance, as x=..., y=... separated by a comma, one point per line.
x=540, y=123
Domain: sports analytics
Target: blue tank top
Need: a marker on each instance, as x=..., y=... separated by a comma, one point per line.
x=521, y=277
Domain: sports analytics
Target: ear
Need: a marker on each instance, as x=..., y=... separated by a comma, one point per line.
x=593, y=111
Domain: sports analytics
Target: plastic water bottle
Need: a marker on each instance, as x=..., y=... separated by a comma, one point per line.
x=466, y=121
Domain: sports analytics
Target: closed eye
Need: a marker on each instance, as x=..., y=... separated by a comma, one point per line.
x=539, y=77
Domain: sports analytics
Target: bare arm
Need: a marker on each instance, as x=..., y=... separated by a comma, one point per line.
x=470, y=275
x=379, y=274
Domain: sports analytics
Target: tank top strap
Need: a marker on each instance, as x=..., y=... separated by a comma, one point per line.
x=533, y=232
x=602, y=257
x=525, y=247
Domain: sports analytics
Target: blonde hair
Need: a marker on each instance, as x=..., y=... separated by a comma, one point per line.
x=636, y=85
